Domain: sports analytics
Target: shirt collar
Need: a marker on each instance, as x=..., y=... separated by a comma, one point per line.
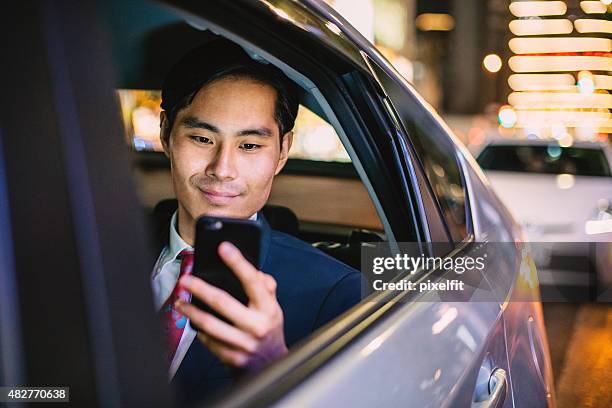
x=177, y=244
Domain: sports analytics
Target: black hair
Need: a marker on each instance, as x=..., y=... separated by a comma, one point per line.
x=286, y=104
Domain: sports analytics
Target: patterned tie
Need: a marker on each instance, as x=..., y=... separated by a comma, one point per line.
x=174, y=321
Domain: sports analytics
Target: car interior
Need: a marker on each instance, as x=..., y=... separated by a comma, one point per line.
x=319, y=196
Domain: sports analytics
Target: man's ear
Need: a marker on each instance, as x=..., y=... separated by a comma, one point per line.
x=286, y=143
x=164, y=132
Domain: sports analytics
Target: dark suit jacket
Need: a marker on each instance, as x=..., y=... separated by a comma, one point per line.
x=312, y=289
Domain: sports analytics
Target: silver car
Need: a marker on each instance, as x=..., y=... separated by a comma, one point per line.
x=561, y=196
x=76, y=307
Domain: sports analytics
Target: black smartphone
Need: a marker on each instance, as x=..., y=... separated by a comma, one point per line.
x=210, y=232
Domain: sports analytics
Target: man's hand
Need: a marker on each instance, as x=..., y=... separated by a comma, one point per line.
x=256, y=336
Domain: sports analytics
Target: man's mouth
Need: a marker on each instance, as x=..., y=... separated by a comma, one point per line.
x=217, y=197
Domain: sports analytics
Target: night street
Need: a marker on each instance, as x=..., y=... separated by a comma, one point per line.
x=579, y=336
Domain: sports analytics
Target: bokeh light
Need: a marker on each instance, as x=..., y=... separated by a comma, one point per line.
x=586, y=82
x=492, y=63
x=566, y=141
x=507, y=116
x=565, y=181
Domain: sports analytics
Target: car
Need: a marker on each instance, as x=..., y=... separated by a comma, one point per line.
x=76, y=308
x=562, y=195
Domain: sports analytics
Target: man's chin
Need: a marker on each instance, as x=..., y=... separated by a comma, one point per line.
x=223, y=211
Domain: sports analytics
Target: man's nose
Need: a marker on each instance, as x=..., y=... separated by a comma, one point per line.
x=223, y=167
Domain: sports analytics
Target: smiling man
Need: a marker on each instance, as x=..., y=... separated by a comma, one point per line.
x=226, y=128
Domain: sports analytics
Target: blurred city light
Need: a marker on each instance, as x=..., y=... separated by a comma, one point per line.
x=553, y=82
x=492, y=63
x=558, y=45
x=541, y=82
x=586, y=83
x=566, y=141
x=476, y=136
x=556, y=63
x=571, y=118
x=603, y=81
x=506, y=132
x=554, y=151
x=404, y=66
x=593, y=25
x=538, y=8
x=507, y=116
x=565, y=181
x=559, y=100
x=593, y=227
x=435, y=22
x=360, y=13
x=556, y=94
x=541, y=27
x=593, y=7
x=558, y=130
x=391, y=25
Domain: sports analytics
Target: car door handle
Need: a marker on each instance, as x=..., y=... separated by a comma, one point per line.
x=498, y=388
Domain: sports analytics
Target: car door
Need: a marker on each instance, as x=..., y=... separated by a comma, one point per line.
x=522, y=351
x=438, y=160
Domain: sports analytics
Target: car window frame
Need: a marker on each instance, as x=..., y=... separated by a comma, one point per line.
x=429, y=206
x=401, y=83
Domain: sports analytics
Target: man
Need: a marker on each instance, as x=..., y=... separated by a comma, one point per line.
x=226, y=128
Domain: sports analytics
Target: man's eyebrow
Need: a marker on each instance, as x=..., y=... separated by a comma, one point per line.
x=194, y=123
x=262, y=131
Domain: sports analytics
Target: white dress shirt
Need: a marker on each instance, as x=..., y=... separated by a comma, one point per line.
x=163, y=280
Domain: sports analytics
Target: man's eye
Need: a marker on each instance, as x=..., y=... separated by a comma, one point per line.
x=249, y=146
x=201, y=139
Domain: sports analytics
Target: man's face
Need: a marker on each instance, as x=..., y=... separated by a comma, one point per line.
x=225, y=150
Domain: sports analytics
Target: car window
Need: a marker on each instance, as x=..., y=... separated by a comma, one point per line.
x=550, y=159
x=436, y=152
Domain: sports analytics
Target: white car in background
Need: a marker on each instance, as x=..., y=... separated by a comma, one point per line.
x=563, y=198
